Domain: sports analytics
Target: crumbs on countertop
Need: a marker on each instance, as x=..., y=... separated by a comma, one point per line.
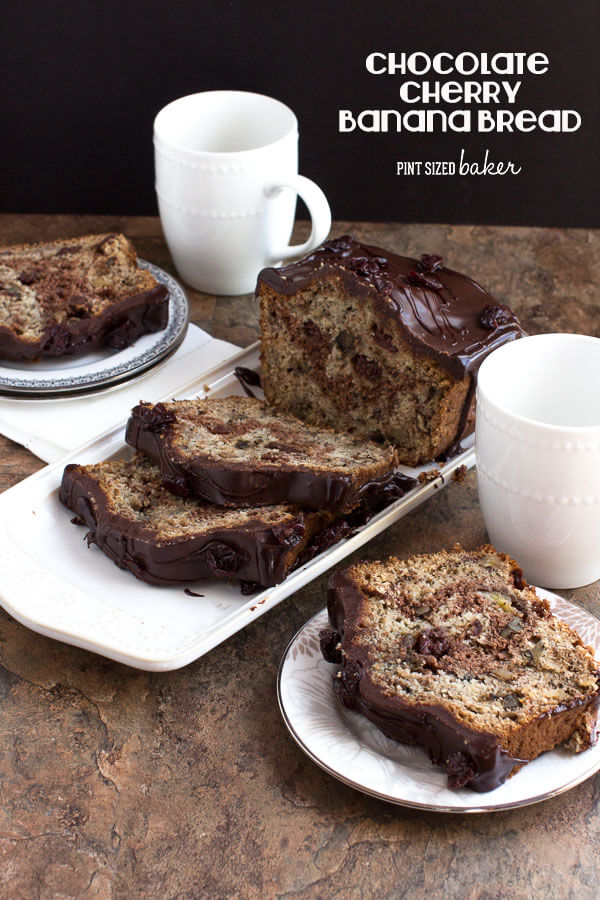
x=459, y=474
x=430, y=475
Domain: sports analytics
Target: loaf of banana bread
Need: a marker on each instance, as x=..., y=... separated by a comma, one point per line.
x=71, y=296
x=236, y=451
x=456, y=653
x=378, y=345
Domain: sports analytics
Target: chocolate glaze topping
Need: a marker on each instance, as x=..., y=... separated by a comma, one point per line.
x=247, y=486
x=117, y=327
x=256, y=551
x=445, y=314
x=473, y=759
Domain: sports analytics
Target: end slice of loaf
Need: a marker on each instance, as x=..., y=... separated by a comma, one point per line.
x=237, y=451
x=70, y=296
x=165, y=539
x=456, y=653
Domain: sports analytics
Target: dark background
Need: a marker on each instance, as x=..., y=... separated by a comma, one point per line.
x=82, y=81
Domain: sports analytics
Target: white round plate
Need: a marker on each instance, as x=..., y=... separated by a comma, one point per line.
x=349, y=747
x=103, y=366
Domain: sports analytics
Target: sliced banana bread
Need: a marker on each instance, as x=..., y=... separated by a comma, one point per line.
x=237, y=451
x=378, y=345
x=70, y=296
x=165, y=539
x=456, y=653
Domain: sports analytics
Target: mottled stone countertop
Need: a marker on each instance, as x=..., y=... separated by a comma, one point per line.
x=117, y=783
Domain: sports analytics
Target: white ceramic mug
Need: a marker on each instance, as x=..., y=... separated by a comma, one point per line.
x=538, y=455
x=226, y=166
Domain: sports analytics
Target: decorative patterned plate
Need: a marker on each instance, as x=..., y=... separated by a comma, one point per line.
x=351, y=748
x=102, y=367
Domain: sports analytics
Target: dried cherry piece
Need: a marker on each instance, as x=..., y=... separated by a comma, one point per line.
x=518, y=578
x=222, y=559
x=430, y=262
x=461, y=770
x=124, y=335
x=346, y=681
x=495, y=315
x=425, y=280
x=433, y=642
x=289, y=534
x=153, y=418
x=58, y=339
x=328, y=642
x=367, y=265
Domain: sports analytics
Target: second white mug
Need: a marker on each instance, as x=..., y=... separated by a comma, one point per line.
x=538, y=455
x=226, y=166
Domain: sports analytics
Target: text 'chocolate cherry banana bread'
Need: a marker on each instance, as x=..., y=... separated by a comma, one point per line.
x=456, y=653
x=72, y=296
x=237, y=451
x=378, y=345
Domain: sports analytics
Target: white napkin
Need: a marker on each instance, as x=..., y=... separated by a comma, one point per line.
x=51, y=428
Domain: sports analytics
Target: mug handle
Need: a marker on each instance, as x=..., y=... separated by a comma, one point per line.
x=319, y=211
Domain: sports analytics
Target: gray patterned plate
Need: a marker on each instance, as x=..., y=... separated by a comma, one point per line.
x=102, y=367
x=352, y=749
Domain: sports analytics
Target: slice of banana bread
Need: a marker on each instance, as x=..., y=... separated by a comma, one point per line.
x=456, y=653
x=378, y=345
x=165, y=539
x=237, y=451
x=70, y=296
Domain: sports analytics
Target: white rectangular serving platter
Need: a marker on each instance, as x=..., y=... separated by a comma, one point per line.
x=53, y=583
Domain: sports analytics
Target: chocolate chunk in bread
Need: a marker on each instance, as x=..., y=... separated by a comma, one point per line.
x=456, y=653
x=378, y=345
x=237, y=451
x=71, y=296
x=165, y=539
